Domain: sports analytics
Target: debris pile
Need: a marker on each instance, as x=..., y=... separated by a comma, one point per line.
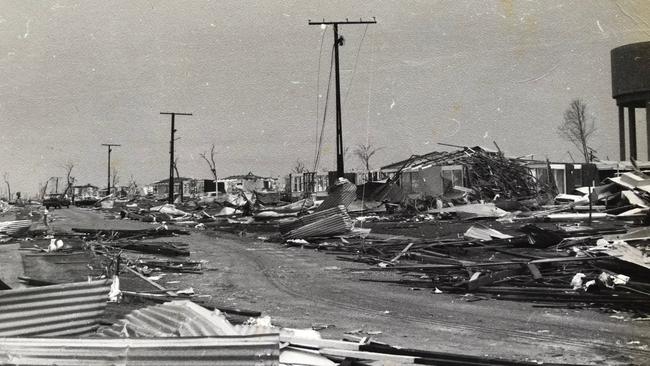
x=530, y=263
x=492, y=174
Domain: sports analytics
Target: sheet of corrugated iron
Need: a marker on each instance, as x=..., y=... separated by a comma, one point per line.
x=172, y=319
x=285, y=227
x=228, y=350
x=181, y=318
x=332, y=225
x=57, y=310
x=16, y=227
x=343, y=192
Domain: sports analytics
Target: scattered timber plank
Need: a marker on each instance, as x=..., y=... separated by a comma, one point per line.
x=534, y=271
x=384, y=357
x=444, y=358
x=163, y=298
x=36, y=282
x=478, y=281
x=153, y=283
x=400, y=254
x=319, y=343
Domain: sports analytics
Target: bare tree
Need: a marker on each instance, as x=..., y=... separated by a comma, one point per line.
x=299, y=167
x=115, y=177
x=5, y=176
x=365, y=152
x=178, y=178
x=133, y=186
x=211, y=162
x=578, y=128
x=44, y=189
x=68, y=166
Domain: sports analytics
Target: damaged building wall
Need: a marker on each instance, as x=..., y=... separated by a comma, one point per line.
x=566, y=176
x=248, y=183
x=433, y=180
x=427, y=181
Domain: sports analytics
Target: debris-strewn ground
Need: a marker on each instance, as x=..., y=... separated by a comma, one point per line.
x=528, y=280
x=301, y=287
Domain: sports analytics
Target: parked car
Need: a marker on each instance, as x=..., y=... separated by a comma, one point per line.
x=56, y=201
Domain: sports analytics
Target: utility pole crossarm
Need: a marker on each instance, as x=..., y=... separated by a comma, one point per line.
x=360, y=21
x=177, y=113
x=170, y=197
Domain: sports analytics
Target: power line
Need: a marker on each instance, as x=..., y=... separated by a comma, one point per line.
x=354, y=68
x=320, y=55
x=322, y=131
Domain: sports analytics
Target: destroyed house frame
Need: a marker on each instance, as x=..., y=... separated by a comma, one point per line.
x=435, y=173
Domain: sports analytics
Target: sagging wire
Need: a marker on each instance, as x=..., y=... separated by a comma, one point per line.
x=320, y=56
x=327, y=97
x=354, y=68
x=319, y=136
x=363, y=190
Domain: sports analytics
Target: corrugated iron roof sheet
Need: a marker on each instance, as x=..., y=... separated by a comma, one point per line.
x=15, y=227
x=343, y=192
x=187, y=334
x=225, y=350
x=332, y=225
x=57, y=310
x=308, y=219
x=172, y=319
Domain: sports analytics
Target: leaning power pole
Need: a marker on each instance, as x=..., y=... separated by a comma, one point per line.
x=338, y=41
x=170, y=198
x=108, y=184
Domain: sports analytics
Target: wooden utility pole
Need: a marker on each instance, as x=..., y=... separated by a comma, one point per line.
x=170, y=198
x=338, y=41
x=108, y=181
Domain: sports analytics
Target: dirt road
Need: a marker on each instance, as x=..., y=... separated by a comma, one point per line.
x=304, y=288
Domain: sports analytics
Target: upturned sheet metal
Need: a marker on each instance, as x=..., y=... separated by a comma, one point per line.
x=15, y=227
x=226, y=350
x=343, y=192
x=172, y=319
x=285, y=227
x=332, y=225
x=180, y=318
x=57, y=310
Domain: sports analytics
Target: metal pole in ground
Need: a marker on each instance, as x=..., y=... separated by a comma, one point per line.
x=108, y=179
x=170, y=197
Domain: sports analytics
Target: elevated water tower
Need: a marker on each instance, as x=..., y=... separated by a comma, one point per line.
x=631, y=89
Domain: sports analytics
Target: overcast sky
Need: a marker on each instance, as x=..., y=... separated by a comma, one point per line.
x=76, y=74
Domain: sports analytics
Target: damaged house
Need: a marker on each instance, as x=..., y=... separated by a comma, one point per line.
x=183, y=184
x=85, y=192
x=247, y=182
x=301, y=184
x=483, y=173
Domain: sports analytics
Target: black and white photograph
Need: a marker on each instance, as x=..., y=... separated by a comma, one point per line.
x=325, y=182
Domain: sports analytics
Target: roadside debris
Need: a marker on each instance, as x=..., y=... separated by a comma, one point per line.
x=324, y=223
